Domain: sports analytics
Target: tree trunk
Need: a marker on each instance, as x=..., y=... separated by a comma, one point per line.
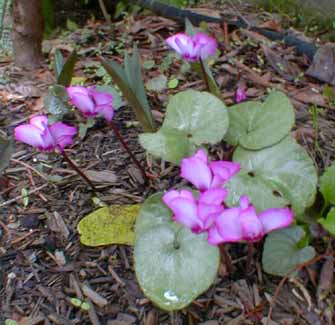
x=27, y=33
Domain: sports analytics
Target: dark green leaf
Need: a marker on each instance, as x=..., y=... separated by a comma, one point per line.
x=6, y=151
x=66, y=73
x=56, y=101
x=329, y=222
x=327, y=184
x=58, y=63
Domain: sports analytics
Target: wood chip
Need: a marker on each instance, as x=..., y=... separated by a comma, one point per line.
x=94, y=296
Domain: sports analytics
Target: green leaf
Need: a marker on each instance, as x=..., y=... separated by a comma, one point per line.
x=76, y=302
x=56, y=100
x=193, y=118
x=66, y=73
x=329, y=222
x=71, y=25
x=256, y=125
x=274, y=177
x=85, y=306
x=58, y=62
x=148, y=64
x=6, y=151
x=327, y=184
x=173, y=266
x=119, y=77
x=11, y=322
x=282, y=253
x=158, y=83
x=109, y=225
x=173, y=83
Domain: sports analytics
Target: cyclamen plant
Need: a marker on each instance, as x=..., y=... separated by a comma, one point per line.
x=208, y=212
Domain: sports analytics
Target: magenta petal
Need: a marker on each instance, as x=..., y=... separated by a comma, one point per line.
x=29, y=134
x=173, y=194
x=252, y=228
x=202, y=155
x=102, y=98
x=276, y=218
x=240, y=95
x=197, y=172
x=207, y=213
x=214, y=237
x=213, y=196
x=205, y=45
x=244, y=202
x=84, y=103
x=225, y=169
x=228, y=225
x=72, y=90
x=106, y=111
x=185, y=213
x=63, y=134
x=181, y=43
x=40, y=121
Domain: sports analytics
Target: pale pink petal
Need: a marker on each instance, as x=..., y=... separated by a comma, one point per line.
x=214, y=238
x=180, y=42
x=207, y=213
x=185, y=213
x=202, y=155
x=40, y=121
x=84, y=103
x=205, y=45
x=228, y=225
x=213, y=196
x=244, y=202
x=173, y=194
x=29, y=134
x=62, y=134
x=77, y=89
x=102, y=98
x=224, y=169
x=107, y=111
x=275, y=218
x=252, y=228
x=197, y=172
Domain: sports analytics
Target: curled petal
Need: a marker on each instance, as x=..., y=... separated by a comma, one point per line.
x=275, y=218
x=208, y=213
x=213, y=196
x=228, y=225
x=72, y=90
x=225, y=170
x=40, y=121
x=29, y=134
x=62, y=134
x=252, y=228
x=83, y=102
x=201, y=154
x=240, y=95
x=197, y=172
x=102, y=98
x=107, y=111
x=205, y=45
x=181, y=43
x=244, y=202
x=214, y=237
x=173, y=194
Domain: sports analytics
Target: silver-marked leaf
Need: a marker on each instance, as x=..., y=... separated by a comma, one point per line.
x=56, y=100
x=169, y=145
x=282, y=253
x=275, y=176
x=256, y=125
x=173, y=266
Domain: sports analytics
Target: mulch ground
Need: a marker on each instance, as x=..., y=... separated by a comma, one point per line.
x=42, y=263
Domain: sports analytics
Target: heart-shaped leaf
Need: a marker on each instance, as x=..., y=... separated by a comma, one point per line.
x=173, y=265
x=282, y=253
x=275, y=176
x=109, y=225
x=192, y=118
x=6, y=151
x=56, y=101
x=329, y=222
x=327, y=184
x=256, y=125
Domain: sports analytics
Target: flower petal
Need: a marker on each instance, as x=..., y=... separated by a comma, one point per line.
x=207, y=213
x=83, y=102
x=29, y=134
x=77, y=89
x=173, y=194
x=40, y=121
x=228, y=225
x=252, y=228
x=101, y=98
x=63, y=134
x=275, y=218
x=205, y=45
x=107, y=111
x=213, y=196
x=197, y=172
x=244, y=202
x=224, y=169
x=181, y=43
x=214, y=237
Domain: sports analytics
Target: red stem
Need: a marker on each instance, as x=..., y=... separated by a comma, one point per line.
x=125, y=146
x=204, y=74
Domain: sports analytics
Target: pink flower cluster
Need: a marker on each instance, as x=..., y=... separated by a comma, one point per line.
x=193, y=48
x=208, y=212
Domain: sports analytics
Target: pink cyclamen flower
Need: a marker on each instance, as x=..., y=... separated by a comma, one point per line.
x=39, y=134
x=197, y=215
x=240, y=95
x=193, y=48
x=243, y=224
x=91, y=102
x=204, y=175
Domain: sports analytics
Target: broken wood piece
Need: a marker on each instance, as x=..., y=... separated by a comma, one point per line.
x=94, y=296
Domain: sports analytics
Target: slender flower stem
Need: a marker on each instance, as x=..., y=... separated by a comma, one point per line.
x=250, y=256
x=125, y=146
x=78, y=170
x=204, y=74
x=226, y=259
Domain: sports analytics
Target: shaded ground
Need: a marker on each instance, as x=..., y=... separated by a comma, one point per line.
x=43, y=265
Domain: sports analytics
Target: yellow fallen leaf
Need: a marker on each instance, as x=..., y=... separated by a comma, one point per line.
x=109, y=225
